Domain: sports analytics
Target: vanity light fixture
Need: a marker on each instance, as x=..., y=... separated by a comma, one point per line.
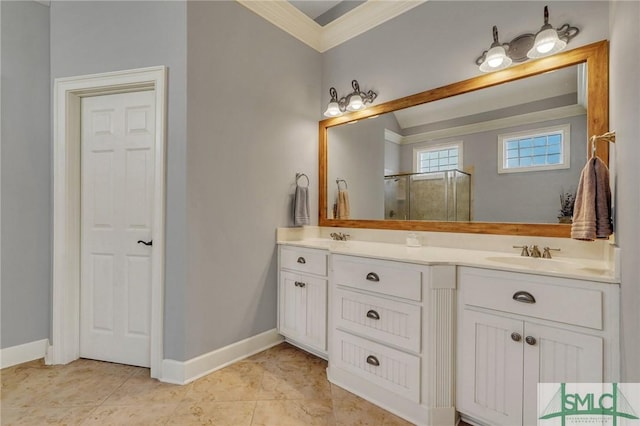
x=496, y=57
x=355, y=101
x=547, y=41
x=550, y=40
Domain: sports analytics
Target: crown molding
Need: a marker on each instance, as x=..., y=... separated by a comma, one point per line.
x=363, y=18
x=391, y=136
x=500, y=123
x=285, y=16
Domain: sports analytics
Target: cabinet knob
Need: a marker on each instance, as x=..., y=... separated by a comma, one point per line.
x=372, y=276
x=301, y=260
x=516, y=337
x=299, y=284
x=524, y=297
x=373, y=361
x=530, y=340
x=373, y=315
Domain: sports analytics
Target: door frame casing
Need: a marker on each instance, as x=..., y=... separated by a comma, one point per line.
x=67, y=95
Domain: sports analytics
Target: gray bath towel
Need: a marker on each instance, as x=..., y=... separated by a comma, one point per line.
x=301, y=206
x=592, y=209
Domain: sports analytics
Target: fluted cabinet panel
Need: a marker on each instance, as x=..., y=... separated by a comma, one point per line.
x=490, y=384
x=389, y=368
x=388, y=321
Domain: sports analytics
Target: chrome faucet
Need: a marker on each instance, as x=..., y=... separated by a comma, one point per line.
x=339, y=236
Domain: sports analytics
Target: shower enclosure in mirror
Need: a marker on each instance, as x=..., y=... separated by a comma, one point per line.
x=428, y=196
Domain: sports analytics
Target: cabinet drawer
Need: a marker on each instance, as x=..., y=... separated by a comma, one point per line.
x=303, y=260
x=555, y=300
x=390, y=278
x=389, y=321
x=388, y=368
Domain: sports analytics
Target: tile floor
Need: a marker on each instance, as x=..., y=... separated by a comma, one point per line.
x=280, y=386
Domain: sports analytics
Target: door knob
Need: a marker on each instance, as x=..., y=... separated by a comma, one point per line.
x=516, y=337
x=530, y=340
x=150, y=243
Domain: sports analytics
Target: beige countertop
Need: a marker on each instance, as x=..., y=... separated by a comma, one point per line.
x=564, y=267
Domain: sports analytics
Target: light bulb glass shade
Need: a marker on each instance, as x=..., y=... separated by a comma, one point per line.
x=333, y=110
x=495, y=59
x=355, y=103
x=546, y=43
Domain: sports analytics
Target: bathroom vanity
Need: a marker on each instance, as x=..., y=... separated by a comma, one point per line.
x=433, y=332
x=463, y=326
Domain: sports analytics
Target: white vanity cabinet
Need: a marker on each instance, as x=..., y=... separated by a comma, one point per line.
x=302, y=297
x=391, y=338
x=517, y=330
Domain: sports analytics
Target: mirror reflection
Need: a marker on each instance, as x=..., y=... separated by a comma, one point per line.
x=508, y=153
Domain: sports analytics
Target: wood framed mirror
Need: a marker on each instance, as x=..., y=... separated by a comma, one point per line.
x=595, y=58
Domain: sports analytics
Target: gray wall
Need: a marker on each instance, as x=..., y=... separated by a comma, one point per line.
x=356, y=153
x=95, y=37
x=26, y=182
x=624, y=112
x=437, y=43
x=529, y=197
x=253, y=93
x=391, y=158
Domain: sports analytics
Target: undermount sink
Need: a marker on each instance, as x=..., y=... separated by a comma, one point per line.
x=537, y=263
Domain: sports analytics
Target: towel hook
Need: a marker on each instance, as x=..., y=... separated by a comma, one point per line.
x=343, y=181
x=301, y=175
x=609, y=137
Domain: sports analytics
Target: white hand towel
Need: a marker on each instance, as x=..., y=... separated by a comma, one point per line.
x=301, y=206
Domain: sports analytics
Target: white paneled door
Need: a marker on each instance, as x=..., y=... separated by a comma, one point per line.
x=117, y=175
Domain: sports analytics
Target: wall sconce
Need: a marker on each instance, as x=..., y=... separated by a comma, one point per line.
x=545, y=42
x=355, y=101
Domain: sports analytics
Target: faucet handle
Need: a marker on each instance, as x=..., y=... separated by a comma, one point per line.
x=525, y=250
x=546, y=252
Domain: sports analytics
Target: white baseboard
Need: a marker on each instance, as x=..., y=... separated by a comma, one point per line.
x=183, y=372
x=23, y=353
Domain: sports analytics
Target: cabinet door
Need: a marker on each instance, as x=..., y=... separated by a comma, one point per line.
x=557, y=356
x=303, y=309
x=489, y=383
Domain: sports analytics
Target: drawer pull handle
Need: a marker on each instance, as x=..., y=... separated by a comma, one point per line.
x=372, y=360
x=300, y=284
x=516, y=337
x=373, y=315
x=301, y=260
x=530, y=340
x=524, y=297
x=372, y=276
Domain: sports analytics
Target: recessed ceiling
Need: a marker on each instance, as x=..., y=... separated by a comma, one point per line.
x=365, y=16
x=324, y=12
x=314, y=8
